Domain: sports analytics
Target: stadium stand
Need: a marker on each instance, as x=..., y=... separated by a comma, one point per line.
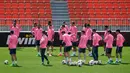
x=100, y=12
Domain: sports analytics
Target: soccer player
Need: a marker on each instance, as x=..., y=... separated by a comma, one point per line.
x=33, y=30
x=119, y=43
x=43, y=45
x=61, y=38
x=68, y=45
x=96, y=38
x=66, y=26
x=109, y=44
x=38, y=36
x=105, y=34
x=82, y=45
x=88, y=31
x=15, y=28
x=73, y=29
x=12, y=44
x=50, y=33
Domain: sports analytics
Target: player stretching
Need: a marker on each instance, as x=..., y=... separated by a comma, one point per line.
x=61, y=38
x=12, y=44
x=82, y=45
x=105, y=34
x=73, y=30
x=43, y=45
x=50, y=33
x=68, y=45
x=109, y=44
x=88, y=31
x=33, y=31
x=38, y=36
x=119, y=43
x=96, y=38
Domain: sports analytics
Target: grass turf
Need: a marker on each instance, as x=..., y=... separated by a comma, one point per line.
x=30, y=63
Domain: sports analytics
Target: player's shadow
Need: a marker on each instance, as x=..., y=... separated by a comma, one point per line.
x=48, y=65
x=95, y=65
x=19, y=48
x=55, y=55
x=17, y=66
x=125, y=63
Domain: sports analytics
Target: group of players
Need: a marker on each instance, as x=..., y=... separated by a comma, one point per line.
x=68, y=40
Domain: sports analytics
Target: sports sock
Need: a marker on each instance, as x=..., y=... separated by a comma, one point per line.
x=84, y=56
x=117, y=59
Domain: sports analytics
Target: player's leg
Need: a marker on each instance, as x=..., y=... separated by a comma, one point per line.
x=96, y=53
x=93, y=52
x=38, y=48
x=74, y=48
x=104, y=46
x=117, y=54
x=52, y=47
x=79, y=53
x=84, y=53
x=68, y=50
x=44, y=56
x=89, y=48
x=108, y=50
x=120, y=53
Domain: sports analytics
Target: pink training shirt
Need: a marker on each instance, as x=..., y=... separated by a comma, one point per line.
x=33, y=29
x=12, y=41
x=38, y=33
x=96, y=38
x=120, y=40
x=16, y=30
x=74, y=30
x=50, y=33
x=89, y=33
x=67, y=40
x=60, y=32
x=43, y=42
x=105, y=33
x=109, y=41
x=83, y=41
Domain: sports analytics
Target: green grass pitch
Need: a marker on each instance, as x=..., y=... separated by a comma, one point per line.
x=30, y=63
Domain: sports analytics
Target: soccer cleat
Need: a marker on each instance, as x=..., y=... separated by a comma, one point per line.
x=60, y=54
x=119, y=62
x=116, y=62
x=38, y=55
x=90, y=55
x=102, y=54
x=73, y=55
x=16, y=65
x=43, y=63
x=50, y=55
x=48, y=62
x=12, y=65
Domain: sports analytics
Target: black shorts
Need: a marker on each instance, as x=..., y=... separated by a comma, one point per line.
x=74, y=43
x=67, y=48
x=82, y=50
x=119, y=49
x=108, y=50
x=37, y=42
x=50, y=43
x=13, y=51
x=89, y=42
x=61, y=42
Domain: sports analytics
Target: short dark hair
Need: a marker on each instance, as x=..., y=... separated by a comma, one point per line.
x=106, y=26
x=88, y=25
x=49, y=22
x=44, y=32
x=73, y=22
x=118, y=30
x=64, y=22
x=94, y=30
x=11, y=32
x=63, y=32
x=109, y=31
x=69, y=32
x=85, y=25
x=63, y=25
x=83, y=31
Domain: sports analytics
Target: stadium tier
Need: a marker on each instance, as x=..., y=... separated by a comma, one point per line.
x=25, y=9
x=106, y=10
x=96, y=12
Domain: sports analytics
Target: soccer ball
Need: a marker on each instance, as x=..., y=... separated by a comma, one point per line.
x=6, y=62
x=64, y=62
x=91, y=62
x=79, y=64
x=95, y=62
x=99, y=62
